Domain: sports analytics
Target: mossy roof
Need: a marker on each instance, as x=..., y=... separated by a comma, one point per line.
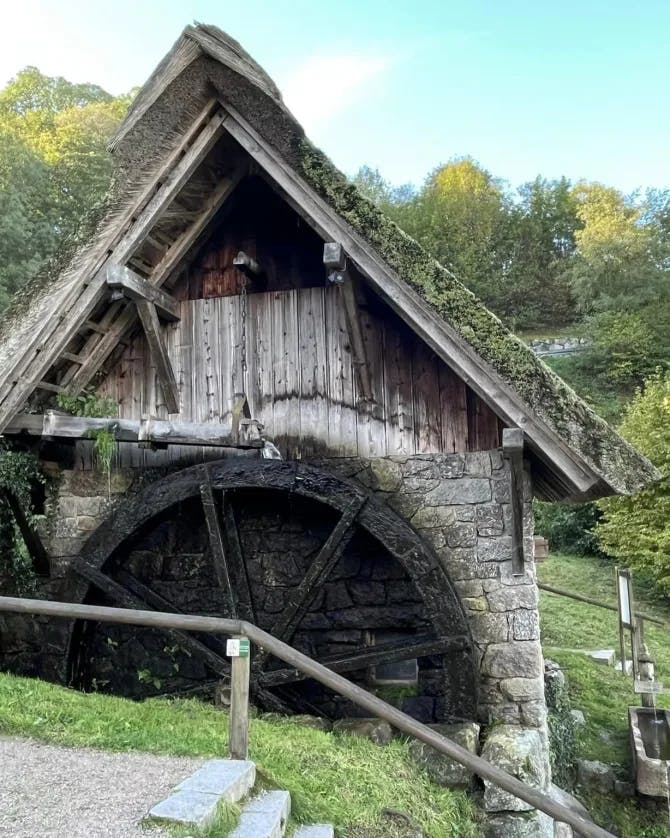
x=205, y=62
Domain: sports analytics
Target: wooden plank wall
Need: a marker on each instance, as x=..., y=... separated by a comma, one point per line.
x=300, y=381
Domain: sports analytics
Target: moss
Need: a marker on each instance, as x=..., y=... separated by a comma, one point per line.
x=548, y=395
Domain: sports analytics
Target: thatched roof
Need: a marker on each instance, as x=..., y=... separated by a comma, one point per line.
x=575, y=453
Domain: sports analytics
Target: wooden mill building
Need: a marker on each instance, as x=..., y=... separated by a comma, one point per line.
x=317, y=426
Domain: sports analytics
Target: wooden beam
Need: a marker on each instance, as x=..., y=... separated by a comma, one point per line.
x=53, y=339
x=158, y=431
x=117, y=593
x=30, y=537
x=415, y=647
x=135, y=288
x=159, y=357
x=512, y=445
x=217, y=548
x=442, y=338
x=298, y=599
x=163, y=270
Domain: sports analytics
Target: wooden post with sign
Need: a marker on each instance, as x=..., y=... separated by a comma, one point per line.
x=238, y=651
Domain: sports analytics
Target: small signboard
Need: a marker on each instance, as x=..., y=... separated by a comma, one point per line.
x=640, y=685
x=237, y=647
x=624, y=583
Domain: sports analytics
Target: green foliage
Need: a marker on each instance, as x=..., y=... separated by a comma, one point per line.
x=599, y=691
x=342, y=780
x=92, y=405
x=562, y=734
x=19, y=473
x=636, y=530
x=623, y=350
x=54, y=166
x=569, y=529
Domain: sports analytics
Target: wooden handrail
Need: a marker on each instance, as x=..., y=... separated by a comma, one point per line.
x=580, y=598
x=320, y=673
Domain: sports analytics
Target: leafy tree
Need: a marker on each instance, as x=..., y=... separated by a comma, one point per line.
x=543, y=226
x=54, y=166
x=619, y=263
x=636, y=529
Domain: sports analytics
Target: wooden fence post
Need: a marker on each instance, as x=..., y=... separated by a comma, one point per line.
x=238, y=731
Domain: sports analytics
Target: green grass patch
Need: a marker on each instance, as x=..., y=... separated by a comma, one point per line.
x=334, y=779
x=603, y=694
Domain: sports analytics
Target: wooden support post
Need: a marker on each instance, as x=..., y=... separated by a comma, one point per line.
x=30, y=537
x=159, y=356
x=513, y=452
x=238, y=731
x=335, y=261
x=135, y=288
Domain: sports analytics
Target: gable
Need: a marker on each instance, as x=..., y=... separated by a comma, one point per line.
x=203, y=107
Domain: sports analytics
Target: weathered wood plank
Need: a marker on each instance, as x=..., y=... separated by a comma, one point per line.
x=312, y=354
x=245, y=602
x=513, y=445
x=425, y=387
x=342, y=416
x=453, y=400
x=159, y=356
x=217, y=547
x=134, y=287
x=399, y=391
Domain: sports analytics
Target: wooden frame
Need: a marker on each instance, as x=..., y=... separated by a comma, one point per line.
x=512, y=445
x=134, y=287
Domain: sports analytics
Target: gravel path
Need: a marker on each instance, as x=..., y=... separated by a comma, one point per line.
x=47, y=791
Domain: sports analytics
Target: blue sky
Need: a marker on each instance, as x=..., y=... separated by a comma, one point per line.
x=574, y=88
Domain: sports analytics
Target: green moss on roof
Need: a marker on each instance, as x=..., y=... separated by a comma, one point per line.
x=542, y=390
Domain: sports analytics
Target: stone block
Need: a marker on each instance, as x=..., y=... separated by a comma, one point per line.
x=603, y=656
x=317, y=830
x=478, y=464
x=520, y=658
x=86, y=524
x=509, y=598
x=578, y=718
x=387, y=475
x=494, y=549
x=421, y=466
x=490, y=520
x=501, y=489
x=525, y=624
x=230, y=779
x=451, y=465
x=461, y=564
x=533, y=824
x=522, y=753
x=433, y=516
x=376, y=730
x=191, y=808
x=435, y=537
x=460, y=490
x=465, y=513
x=475, y=603
x=266, y=816
x=461, y=535
x=441, y=769
x=489, y=628
x=595, y=776
x=522, y=689
x=505, y=713
x=533, y=713
x=469, y=588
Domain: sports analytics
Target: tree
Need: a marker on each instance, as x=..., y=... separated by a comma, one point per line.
x=543, y=224
x=636, y=529
x=619, y=262
x=54, y=166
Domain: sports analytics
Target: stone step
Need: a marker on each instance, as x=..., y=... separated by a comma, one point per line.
x=265, y=816
x=316, y=830
x=195, y=800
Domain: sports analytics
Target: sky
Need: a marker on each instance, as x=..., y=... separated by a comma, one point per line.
x=526, y=87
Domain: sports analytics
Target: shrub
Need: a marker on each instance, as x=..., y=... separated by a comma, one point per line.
x=569, y=529
x=636, y=529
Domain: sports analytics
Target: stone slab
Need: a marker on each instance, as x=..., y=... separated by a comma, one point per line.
x=628, y=669
x=317, y=830
x=194, y=808
x=265, y=816
x=230, y=779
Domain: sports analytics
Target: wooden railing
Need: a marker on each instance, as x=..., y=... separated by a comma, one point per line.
x=312, y=669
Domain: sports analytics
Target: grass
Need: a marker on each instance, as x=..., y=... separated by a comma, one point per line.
x=603, y=694
x=335, y=779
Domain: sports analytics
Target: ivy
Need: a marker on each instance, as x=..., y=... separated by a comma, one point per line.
x=19, y=473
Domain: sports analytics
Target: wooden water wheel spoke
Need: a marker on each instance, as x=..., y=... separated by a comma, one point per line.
x=382, y=653
x=117, y=593
x=319, y=570
x=237, y=565
x=216, y=544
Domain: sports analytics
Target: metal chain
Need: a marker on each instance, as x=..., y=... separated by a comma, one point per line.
x=243, y=315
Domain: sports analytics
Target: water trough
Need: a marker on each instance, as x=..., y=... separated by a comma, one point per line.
x=650, y=742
